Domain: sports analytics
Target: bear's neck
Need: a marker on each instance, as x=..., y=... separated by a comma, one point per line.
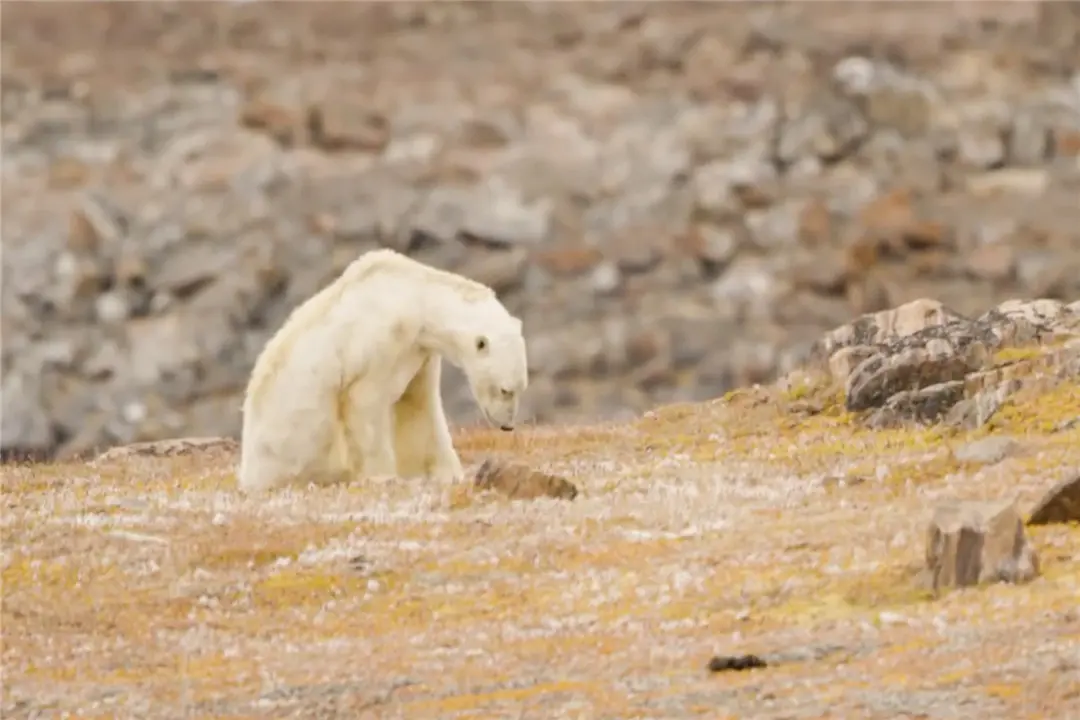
x=439, y=328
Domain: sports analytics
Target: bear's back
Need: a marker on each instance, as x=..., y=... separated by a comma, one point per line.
x=278, y=350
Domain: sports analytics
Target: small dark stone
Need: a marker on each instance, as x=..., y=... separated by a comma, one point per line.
x=722, y=663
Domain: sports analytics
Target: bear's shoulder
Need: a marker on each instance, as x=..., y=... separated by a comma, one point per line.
x=385, y=261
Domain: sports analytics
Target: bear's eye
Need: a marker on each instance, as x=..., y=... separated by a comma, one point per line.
x=481, y=343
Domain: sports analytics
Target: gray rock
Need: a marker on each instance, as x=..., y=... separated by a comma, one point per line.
x=639, y=228
x=79, y=278
x=381, y=216
x=843, y=362
x=887, y=326
x=753, y=178
x=714, y=191
x=501, y=270
x=111, y=307
x=1029, y=141
x=994, y=231
x=748, y=285
x=718, y=244
x=776, y=228
x=932, y=359
x=498, y=213
x=1028, y=182
x=160, y=347
x=645, y=148
x=924, y=405
x=492, y=212
x=982, y=145
x=440, y=214
x=974, y=412
x=690, y=339
x=987, y=450
x=25, y=428
x=61, y=352
x=806, y=171
x=899, y=102
x=1044, y=312
x=829, y=129
x=1019, y=322
x=97, y=224
x=857, y=75
x=605, y=278
x=898, y=161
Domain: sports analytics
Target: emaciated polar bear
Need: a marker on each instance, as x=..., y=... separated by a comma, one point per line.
x=349, y=386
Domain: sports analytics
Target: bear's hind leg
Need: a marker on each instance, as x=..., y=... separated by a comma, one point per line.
x=256, y=473
x=292, y=453
x=421, y=436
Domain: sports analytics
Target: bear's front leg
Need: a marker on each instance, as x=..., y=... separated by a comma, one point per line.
x=369, y=436
x=421, y=436
x=445, y=463
x=422, y=449
x=446, y=467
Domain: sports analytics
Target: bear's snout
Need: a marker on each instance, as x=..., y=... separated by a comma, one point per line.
x=506, y=428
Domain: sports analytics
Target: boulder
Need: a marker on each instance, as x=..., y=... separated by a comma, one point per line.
x=971, y=543
x=1061, y=504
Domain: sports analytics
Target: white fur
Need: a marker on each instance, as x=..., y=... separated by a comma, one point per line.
x=349, y=386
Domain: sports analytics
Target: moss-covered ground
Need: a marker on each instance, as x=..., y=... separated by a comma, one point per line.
x=763, y=522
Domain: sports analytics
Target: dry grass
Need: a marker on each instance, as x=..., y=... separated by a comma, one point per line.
x=151, y=589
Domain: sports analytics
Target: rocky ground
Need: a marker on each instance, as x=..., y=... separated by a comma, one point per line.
x=677, y=197
x=861, y=539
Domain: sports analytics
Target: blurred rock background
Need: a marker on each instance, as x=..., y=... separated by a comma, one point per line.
x=676, y=197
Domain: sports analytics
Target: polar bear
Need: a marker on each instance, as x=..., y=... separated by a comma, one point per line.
x=348, y=387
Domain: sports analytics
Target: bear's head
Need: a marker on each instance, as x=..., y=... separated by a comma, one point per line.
x=492, y=354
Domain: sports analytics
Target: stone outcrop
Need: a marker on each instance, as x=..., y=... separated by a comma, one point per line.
x=677, y=198
x=923, y=362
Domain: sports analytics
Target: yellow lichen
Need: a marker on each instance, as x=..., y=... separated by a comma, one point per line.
x=299, y=586
x=1039, y=412
x=1018, y=354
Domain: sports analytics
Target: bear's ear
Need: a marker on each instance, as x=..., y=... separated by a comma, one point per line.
x=482, y=343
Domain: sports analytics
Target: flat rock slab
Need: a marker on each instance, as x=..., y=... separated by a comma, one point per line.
x=987, y=450
x=169, y=448
x=520, y=482
x=971, y=543
x=1060, y=505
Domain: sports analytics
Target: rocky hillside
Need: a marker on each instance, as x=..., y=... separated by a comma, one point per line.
x=678, y=198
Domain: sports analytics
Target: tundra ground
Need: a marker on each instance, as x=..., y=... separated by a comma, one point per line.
x=149, y=588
